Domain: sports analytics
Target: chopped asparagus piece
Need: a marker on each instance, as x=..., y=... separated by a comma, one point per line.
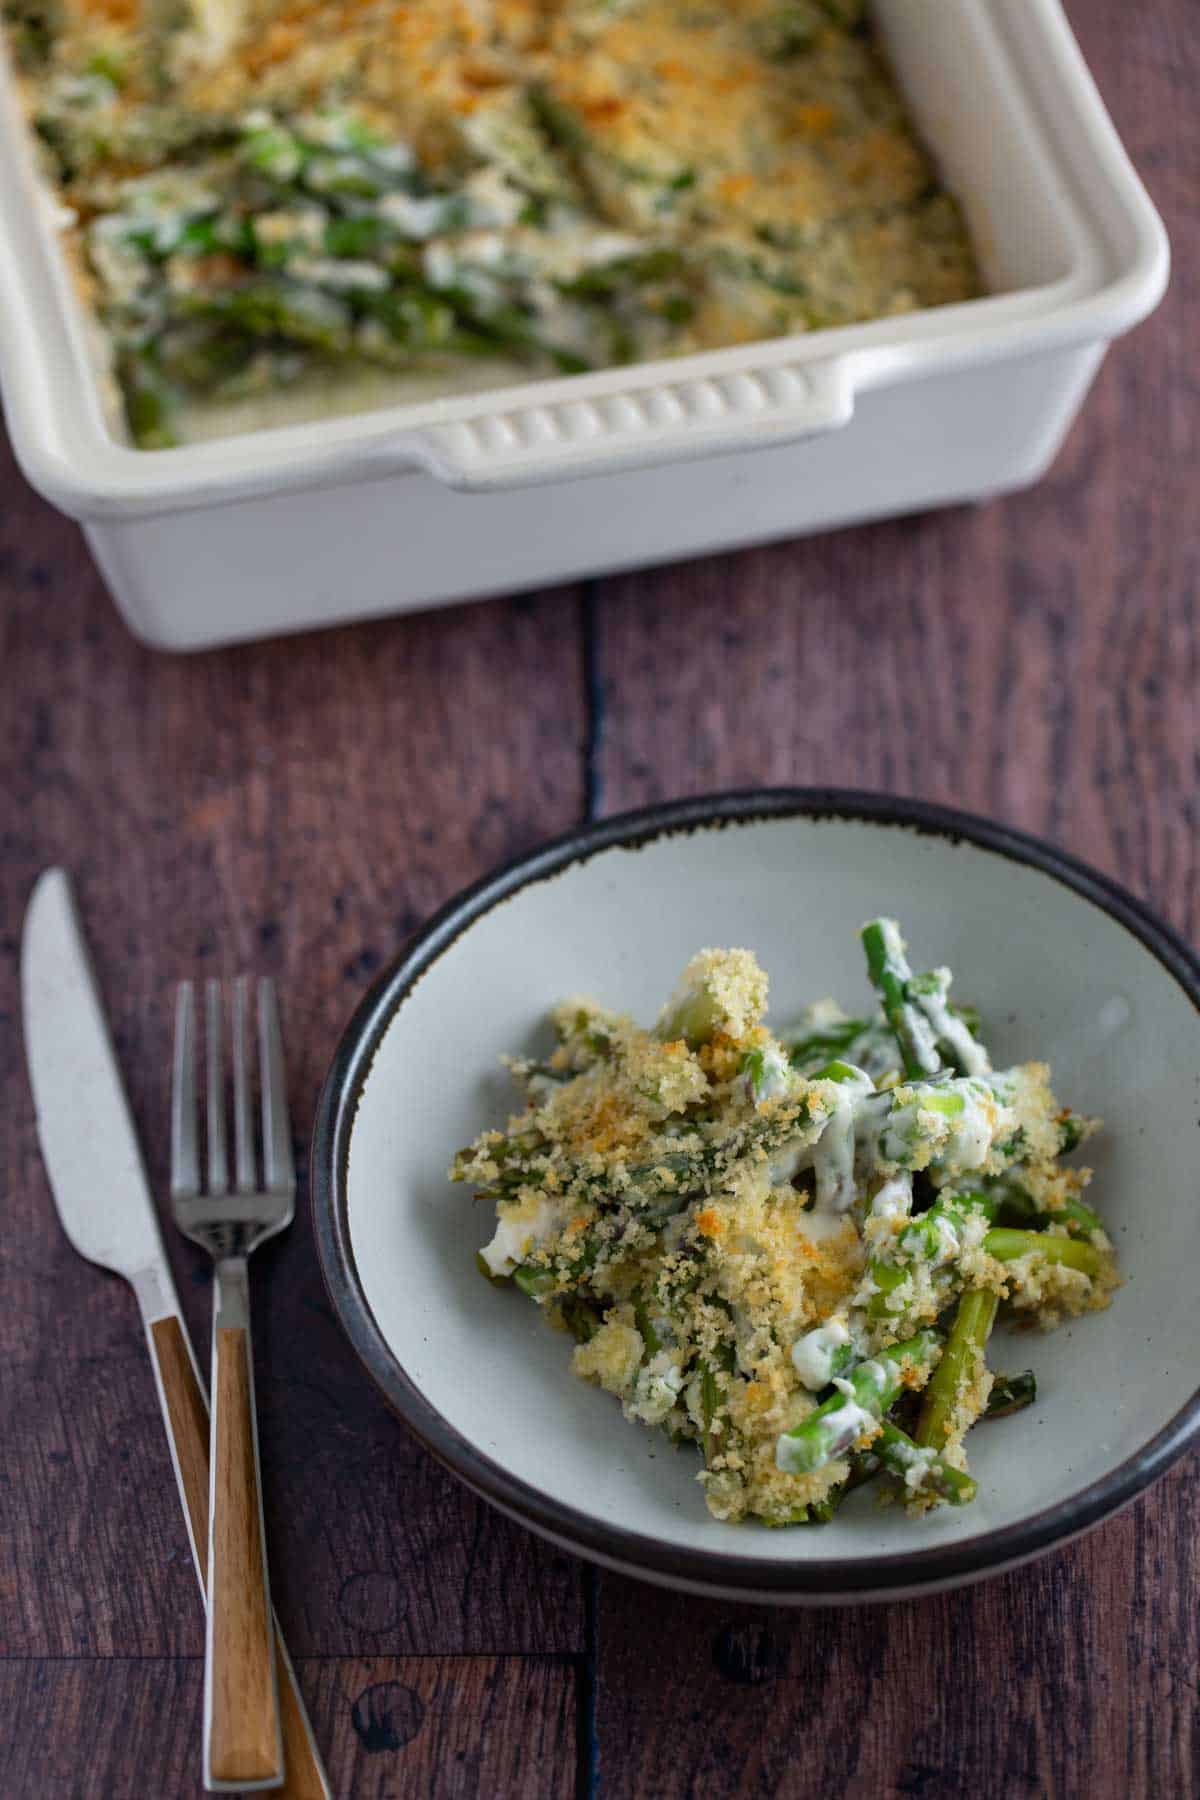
x=959, y=1370
x=923, y=1472
x=1008, y=1246
x=1010, y=1394
x=864, y=1394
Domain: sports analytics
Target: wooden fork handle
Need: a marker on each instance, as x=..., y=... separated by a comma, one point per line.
x=185, y=1412
x=243, y=1745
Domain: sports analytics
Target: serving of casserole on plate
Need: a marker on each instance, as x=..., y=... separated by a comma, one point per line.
x=270, y=190
x=717, y=1304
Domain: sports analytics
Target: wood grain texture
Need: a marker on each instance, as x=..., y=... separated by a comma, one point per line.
x=299, y=808
x=294, y=808
x=244, y=1739
x=1077, y=1675
x=455, y=1728
x=187, y=1411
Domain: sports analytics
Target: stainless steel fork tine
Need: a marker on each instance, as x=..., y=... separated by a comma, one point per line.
x=218, y=1162
x=276, y=1126
x=185, y=1165
x=243, y=1129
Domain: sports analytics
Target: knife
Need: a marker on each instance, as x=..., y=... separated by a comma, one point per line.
x=104, y=1205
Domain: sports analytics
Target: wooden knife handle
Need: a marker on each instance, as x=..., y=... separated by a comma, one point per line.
x=186, y=1413
x=244, y=1744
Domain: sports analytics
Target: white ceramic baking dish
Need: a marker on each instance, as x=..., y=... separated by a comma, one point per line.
x=419, y=504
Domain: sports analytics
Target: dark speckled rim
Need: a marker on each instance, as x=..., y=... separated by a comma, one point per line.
x=815, y=1579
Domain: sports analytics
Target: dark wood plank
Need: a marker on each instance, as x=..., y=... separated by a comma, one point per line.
x=480, y=1726
x=113, y=1729
x=296, y=808
x=1076, y=1675
x=1036, y=660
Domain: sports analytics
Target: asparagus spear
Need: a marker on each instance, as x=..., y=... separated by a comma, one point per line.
x=890, y=974
x=864, y=1394
x=710, y=1395
x=1007, y=1246
x=959, y=1367
x=540, y=1279
x=768, y=1074
x=851, y=1039
x=1016, y=1202
x=833, y=1152
x=150, y=402
x=1010, y=1393
x=931, y=994
x=917, y=1007
x=1003, y=1244
x=921, y=1470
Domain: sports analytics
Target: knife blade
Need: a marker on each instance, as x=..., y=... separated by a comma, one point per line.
x=98, y=1182
x=85, y=1128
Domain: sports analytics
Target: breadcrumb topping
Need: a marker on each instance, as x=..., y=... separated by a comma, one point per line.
x=658, y=1197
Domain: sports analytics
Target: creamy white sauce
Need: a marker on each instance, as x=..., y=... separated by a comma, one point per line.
x=657, y=1388
x=894, y=1199
x=812, y=1355
x=949, y=1029
x=517, y=1233
x=916, y=1460
x=833, y=1153
x=819, y=1227
x=351, y=392
x=777, y=1078
x=850, y=1420
x=494, y=200
x=789, y=1162
x=970, y=1137
x=924, y=1043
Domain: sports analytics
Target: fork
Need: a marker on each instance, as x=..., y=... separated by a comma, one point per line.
x=243, y=1746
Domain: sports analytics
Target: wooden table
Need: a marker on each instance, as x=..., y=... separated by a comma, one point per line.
x=299, y=808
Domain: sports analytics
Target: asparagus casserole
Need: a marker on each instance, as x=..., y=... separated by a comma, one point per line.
x=269, y=193
x=790, y=1251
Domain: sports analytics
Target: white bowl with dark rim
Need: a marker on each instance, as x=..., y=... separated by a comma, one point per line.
x=1064, y=965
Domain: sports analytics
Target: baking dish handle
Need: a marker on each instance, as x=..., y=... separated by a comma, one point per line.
x=629, y=428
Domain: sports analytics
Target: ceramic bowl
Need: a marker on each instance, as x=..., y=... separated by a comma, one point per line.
x=1064, y=966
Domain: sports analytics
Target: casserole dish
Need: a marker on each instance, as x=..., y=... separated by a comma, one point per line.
x=443, y=498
